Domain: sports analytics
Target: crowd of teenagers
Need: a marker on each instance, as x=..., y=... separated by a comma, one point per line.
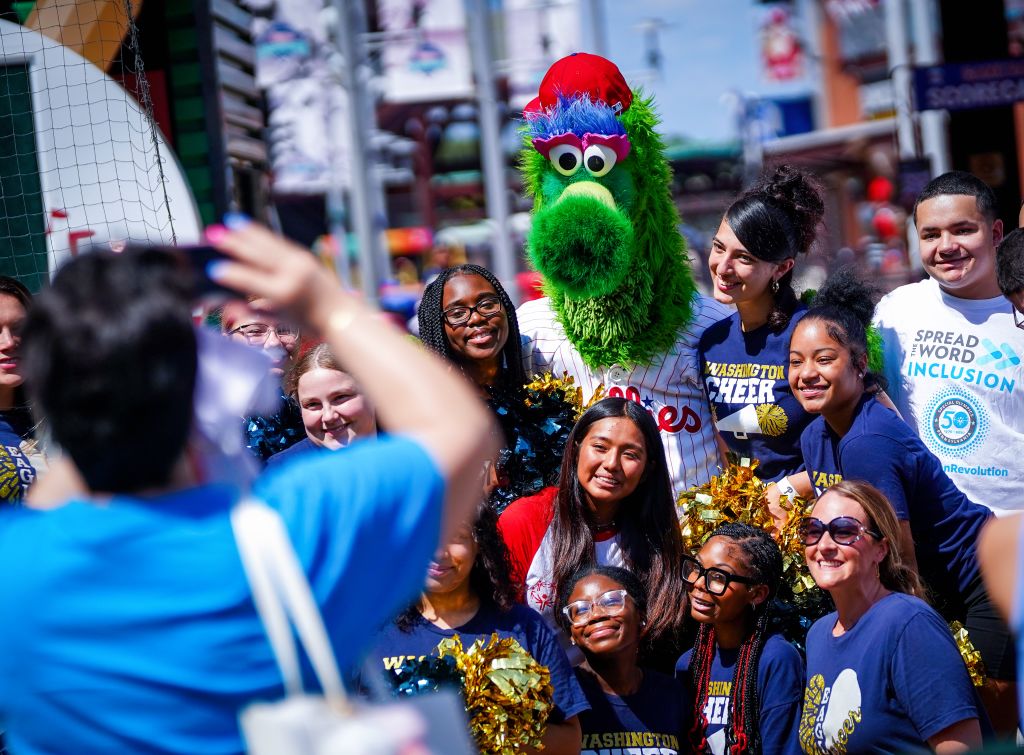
x=424, y=502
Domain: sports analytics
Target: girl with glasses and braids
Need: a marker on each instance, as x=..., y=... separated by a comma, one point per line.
x=746, y=683
x=857, y=438
x=883, y=671
x=604, y=609
x=467, y=317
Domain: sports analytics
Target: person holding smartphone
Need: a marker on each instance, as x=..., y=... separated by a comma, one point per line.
x=137, y=630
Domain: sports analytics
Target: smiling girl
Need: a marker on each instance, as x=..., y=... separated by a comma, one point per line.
x=604, y=609
x=746, y=683
x=857, y=438
x=612, y=506
x=467, y=592
x=743, y=357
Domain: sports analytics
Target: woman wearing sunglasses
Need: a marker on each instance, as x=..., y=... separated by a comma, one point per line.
x=746, y=683
x=857, y=438
x=883, y=672
x=466, y=316
x=604, y=609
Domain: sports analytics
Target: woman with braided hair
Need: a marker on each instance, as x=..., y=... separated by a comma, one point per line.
x=467, y=317
x=746, y=683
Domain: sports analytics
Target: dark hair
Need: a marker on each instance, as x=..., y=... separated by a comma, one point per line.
x=776, y=220
x=14, y=287
x=110, y=362
x=319, y=356
x=959, y=182
x=630, y=583
x=893, y=571
x=490, y=579
x=1010, y=262
x=846, y=304
x=764, y=562
x=431, y=322
x=649, y=535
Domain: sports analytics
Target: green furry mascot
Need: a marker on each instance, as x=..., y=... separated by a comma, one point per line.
x=621, y=309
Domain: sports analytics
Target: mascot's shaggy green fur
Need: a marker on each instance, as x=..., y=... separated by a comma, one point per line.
x=608, y=246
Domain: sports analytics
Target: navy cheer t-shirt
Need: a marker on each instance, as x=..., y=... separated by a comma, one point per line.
x=880, y=448
x=744, y=375
x=654, y=719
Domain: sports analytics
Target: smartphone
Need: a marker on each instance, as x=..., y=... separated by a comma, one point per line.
x=194, y=260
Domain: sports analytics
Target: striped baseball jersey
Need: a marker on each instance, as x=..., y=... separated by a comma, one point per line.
x=669, y=387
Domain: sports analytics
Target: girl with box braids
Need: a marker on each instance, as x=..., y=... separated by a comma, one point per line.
x=746, y=682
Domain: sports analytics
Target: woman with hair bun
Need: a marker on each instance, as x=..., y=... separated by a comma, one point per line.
x=858, y=438
x=883, y=672
x=743, y=357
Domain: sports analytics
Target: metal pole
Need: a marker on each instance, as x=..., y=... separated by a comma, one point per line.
x=599, y=35
x=934, y=136
x=810, y=13
x=899, y=71
x=495, y=183
x=363, y=189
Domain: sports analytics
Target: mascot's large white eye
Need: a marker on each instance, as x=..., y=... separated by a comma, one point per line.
x=566, y=158
x=599, y=159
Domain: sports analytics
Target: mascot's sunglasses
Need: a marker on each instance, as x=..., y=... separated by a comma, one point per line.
x=844, y=530
x=486, y=308
x=716, y=581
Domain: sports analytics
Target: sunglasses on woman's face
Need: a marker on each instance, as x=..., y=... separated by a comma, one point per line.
x=716, y=581
x=844, y=530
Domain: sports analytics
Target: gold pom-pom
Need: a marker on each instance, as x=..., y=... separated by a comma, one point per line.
x=970, y=654
x=508, y=694
x=738, y=495
x=547, y=384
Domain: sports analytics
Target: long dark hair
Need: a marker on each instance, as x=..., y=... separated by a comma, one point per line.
x=431, y=322
x=764, y=561
x=776, y=220
x=490, y=579
x=648, y=526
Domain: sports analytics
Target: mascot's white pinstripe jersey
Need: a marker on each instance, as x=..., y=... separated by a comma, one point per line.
x=669, y=387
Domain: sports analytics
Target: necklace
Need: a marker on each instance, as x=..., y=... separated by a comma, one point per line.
x=602, y=528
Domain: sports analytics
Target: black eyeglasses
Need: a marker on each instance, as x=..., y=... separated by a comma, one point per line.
x=716, y=581
x=844, y=530
x=487, y=308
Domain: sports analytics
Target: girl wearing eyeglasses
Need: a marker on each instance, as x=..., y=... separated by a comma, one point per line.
x=467, y=317
x=613, y=506
x=746, y=683
x=604, y=609
x=883, y=672
x=467, y=592
x=857, y=438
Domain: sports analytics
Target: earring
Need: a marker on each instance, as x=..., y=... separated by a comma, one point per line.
x=860, y=375
x=775, y=285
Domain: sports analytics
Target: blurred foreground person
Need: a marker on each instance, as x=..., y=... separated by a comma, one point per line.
x=136, y=629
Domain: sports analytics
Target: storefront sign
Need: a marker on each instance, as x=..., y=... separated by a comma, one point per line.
x=967, y=86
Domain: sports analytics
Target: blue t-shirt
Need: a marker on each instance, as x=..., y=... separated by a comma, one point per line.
x=16, y=471
x=304, y=446
x=780, y=681
x=886, y=685
x=653, y=719
x=393, y=646
x=880, y=448
x=131, y=625
x=745, y=378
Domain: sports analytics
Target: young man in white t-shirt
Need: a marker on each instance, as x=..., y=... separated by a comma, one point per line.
x=953, y=356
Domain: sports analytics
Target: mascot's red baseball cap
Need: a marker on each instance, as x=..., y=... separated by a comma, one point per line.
x=582, y=73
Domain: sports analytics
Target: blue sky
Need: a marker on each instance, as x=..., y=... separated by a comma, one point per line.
x=708, y=48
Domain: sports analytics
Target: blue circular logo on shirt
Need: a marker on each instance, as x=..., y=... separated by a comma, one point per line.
x=957, y=423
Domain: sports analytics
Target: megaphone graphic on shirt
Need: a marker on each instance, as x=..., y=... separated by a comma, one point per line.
x=741, y=423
